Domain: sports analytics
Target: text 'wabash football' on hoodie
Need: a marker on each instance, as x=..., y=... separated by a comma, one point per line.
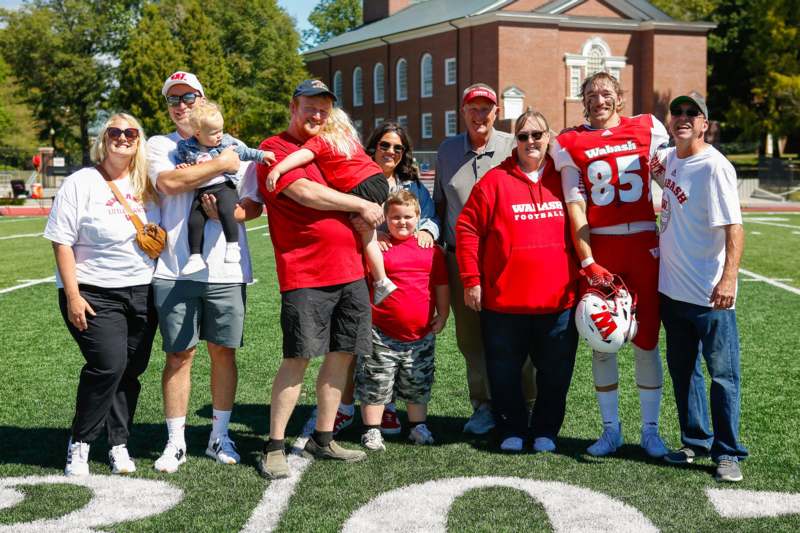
x=513, y=239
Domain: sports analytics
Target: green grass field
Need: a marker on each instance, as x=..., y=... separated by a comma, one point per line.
x=41, y=362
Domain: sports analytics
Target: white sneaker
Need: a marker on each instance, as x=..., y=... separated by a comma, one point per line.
x=232, y=253
x=193, y=265
x=171, y=458
x=223, y=450
x=652, y=443
x=481, y=422
x=77, y=459
x=121, y=462
x=609, y=441
x=420, y=435
x=543, y=444
x=373, y=440
x=383, y=288
x=512, y=444
x=308, y=428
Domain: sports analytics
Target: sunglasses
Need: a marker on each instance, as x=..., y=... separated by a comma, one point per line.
x=175, y=101
x=691, y=112
x=523, y=136
x=398, y=148
x=130, y=133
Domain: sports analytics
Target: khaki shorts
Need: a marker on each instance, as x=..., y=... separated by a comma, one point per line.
x=404, y=369
x=189, y=311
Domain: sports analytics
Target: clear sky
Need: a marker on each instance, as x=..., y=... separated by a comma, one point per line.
x=299, y=9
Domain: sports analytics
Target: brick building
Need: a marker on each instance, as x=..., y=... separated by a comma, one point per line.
x=411, y=59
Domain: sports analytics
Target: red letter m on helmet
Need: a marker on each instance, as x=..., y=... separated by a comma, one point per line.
x=604, y=322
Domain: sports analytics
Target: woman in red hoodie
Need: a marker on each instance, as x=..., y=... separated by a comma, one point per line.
x=519, y=270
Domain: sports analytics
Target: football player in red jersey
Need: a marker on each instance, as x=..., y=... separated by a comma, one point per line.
x=605, y=170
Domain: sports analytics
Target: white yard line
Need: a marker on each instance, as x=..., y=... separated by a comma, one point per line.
x=28, y=284
x=4, y=220
x=770, y=281
x=22, y=235
x=770, y=223
x=265, y=225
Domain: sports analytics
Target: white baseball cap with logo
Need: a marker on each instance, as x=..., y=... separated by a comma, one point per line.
x=182, y=78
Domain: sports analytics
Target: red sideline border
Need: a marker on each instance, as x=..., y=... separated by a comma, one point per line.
x=32, y=211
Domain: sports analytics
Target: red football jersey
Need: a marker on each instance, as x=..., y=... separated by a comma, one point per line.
x=614, y=167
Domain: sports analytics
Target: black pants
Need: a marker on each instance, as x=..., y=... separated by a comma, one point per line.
x=226, y=196
x=116, y=346
x=550, y=340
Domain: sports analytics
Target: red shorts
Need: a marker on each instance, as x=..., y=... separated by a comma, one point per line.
x=635, y=259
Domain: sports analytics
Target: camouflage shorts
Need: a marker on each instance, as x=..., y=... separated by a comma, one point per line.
x=404, y=369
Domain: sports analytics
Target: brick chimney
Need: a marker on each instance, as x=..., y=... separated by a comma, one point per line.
x=380, y=9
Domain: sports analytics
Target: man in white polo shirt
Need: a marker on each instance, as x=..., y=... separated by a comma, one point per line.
x=701, y=245
x=208, y=305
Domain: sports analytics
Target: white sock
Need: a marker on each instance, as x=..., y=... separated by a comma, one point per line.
x=175, y=428
x=609, y=407
x=232, y=246
x=650, y=404
x=219, y=424
x=347, y=408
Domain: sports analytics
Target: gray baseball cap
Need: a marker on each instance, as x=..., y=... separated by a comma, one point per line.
x=695, y=99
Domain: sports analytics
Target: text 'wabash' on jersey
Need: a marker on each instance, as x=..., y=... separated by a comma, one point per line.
x=614, y=168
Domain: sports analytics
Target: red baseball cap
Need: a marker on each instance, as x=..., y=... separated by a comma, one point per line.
x=479, y=90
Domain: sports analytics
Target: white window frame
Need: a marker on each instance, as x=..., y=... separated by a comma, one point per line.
x=426, y=76
x=447, y=79
x=575, y=80
x=378, y=85
x=402, y=120
x=358, y=124
x=358, y=87
x=402, y=81
x=338, y=87
x=378, y=121
x=450, y=119
x=426, y=119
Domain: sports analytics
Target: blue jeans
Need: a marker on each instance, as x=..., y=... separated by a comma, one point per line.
x=550, y=340
x=694, y=330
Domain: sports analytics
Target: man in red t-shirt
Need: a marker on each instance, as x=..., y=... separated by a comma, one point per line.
x=605, y=169
x=325, y=306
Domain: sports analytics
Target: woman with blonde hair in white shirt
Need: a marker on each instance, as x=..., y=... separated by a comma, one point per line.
x=104, y=293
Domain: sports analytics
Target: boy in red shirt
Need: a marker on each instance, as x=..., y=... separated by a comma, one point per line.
x=404, y=328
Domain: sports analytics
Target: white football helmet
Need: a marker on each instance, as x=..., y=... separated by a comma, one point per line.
x=606, y=316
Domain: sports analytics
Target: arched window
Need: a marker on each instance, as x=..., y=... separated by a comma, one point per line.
x=378, y=84
x=338, y=90
x=596, y=60
x=426, y=76
x=358, y=87
x=402, y=79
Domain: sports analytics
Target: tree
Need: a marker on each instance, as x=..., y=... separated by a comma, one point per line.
x=330, y=18
x=5, y=118
x=60, y=52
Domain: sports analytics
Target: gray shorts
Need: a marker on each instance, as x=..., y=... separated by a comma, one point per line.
x=404, y=369
x=317, y=321
x=192, y=310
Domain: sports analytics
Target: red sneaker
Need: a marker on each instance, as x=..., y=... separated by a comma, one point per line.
x=390, y=424
x=342, y=421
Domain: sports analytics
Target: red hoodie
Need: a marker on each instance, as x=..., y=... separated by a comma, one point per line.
x=513, y=239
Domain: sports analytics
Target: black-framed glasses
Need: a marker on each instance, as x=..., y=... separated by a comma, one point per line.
x=523, y=136
x=691, y=112
x=385, y=146
x=187, y=98
x=130, y=133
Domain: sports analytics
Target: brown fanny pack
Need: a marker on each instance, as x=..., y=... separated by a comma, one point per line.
x=151, y=238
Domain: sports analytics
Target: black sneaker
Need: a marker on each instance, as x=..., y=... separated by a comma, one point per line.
x=332, y=451
x=684, y=456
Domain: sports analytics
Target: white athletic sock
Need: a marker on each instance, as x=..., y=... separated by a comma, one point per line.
x=609, y=407
x=650, y=404
x=347, y=408
x=175, y=428
x=219, y=424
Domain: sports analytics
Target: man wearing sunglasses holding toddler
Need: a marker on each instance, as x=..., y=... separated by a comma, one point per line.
x=207, y=305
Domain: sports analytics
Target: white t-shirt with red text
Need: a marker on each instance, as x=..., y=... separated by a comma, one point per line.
x=87, y=216
x=700, y=197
